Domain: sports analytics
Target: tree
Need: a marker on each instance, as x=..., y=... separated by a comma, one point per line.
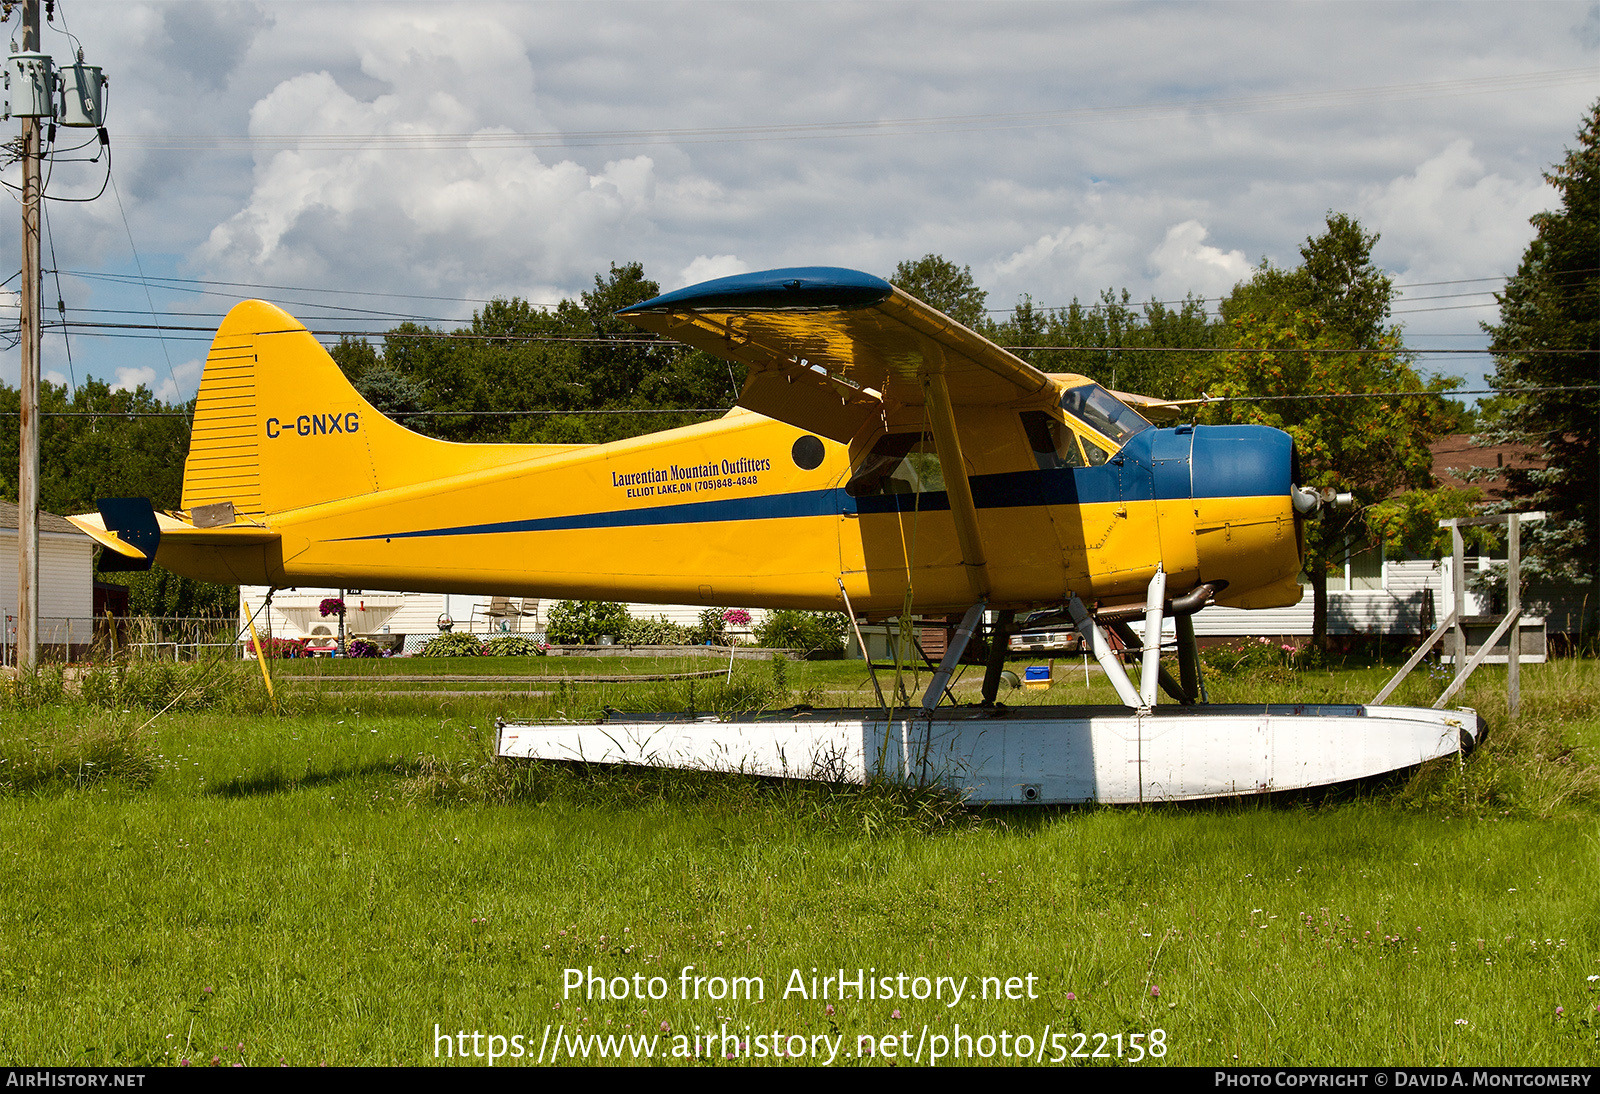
x=1322, y=329
x=1549, y=337
x=560, y=367
x=99, y=443
x=1126, y=348
x=938, y=283
x=392, y=395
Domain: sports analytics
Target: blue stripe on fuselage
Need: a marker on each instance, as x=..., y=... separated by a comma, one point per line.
x=1229, y=461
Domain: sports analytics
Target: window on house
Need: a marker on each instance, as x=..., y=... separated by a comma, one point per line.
x=1360, y=569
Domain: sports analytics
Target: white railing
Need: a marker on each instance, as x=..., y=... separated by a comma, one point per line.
x=84, y=638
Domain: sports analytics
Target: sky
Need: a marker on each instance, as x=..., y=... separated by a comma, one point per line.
x=364, y=163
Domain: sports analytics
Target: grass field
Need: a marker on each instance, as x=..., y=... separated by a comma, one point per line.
x=356, y=880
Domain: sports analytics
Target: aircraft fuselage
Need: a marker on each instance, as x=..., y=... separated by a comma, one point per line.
x=729, y=512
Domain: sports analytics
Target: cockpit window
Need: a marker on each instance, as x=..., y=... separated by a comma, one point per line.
x=1103, y=412
x=900, y=463
x=1054, y=443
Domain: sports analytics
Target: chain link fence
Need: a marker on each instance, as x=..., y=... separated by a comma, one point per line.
x=69, y=639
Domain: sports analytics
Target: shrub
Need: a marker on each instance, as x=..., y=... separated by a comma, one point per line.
x=451, y=645
x=513, y=645
x=1251, y=656
x=659, y=631
x=809, y=631
x=280, y=647
x=360, y=647
x=713, y=628
x=582, y=622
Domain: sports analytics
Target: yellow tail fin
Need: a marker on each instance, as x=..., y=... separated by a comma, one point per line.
x=278, y=427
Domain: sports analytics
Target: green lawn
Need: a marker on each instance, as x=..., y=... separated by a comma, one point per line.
x=334, y=883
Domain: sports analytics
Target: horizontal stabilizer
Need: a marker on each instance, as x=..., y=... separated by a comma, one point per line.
x=131, y=531
x=131, y=534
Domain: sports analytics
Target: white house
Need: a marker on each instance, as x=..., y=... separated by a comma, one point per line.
x=66, y=582
x=407, y=620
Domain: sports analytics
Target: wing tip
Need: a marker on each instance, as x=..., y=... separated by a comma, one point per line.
x=811, y=288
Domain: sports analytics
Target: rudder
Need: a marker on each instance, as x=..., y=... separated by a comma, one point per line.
x=278, y=427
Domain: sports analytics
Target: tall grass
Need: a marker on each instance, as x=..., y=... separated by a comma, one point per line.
x=330, y=883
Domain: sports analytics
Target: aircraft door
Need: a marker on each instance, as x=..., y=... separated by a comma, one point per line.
x=895, y=523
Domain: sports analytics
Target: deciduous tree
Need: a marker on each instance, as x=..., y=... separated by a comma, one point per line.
x=941, y=284
x=1321, y=329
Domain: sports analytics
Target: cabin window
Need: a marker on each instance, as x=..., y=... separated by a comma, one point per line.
x=900, y=463
x=1104, y=413
x=1054, y=443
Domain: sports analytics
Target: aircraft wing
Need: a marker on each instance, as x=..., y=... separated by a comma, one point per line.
x=827, y=349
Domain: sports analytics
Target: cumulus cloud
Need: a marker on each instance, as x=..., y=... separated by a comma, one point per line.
x=1081, y=255
x=177, y=385
x=710, y=267
x=1451, y=218
x=1185, y=263
x=130, y=379
x=204, y=43
x=481, y=215
x=1154, y=171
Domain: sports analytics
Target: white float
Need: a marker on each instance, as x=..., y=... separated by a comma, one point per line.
x=1037, y=755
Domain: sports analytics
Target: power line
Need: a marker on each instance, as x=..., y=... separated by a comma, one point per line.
x=951, y=123
x=402, y=414
x=1201, y=402
x=644, y=340
x=181, y=281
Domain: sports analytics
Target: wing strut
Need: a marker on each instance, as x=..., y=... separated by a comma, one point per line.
x=954, y=466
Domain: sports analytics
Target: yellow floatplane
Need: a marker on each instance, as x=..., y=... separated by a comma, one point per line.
x=883, y=460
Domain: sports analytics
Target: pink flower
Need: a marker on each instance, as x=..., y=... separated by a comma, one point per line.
x=1071, y=998
x=828, y=1010
x=1155, y=992
x=896, y=1013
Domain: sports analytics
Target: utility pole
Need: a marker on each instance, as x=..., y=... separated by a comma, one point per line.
x=28, y=469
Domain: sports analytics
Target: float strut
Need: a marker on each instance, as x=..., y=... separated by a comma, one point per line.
x=999, y=640
x=1103, y=653
x=952, y=657
x=1188, y=658
x=1151, y=667
x=1135, y=644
